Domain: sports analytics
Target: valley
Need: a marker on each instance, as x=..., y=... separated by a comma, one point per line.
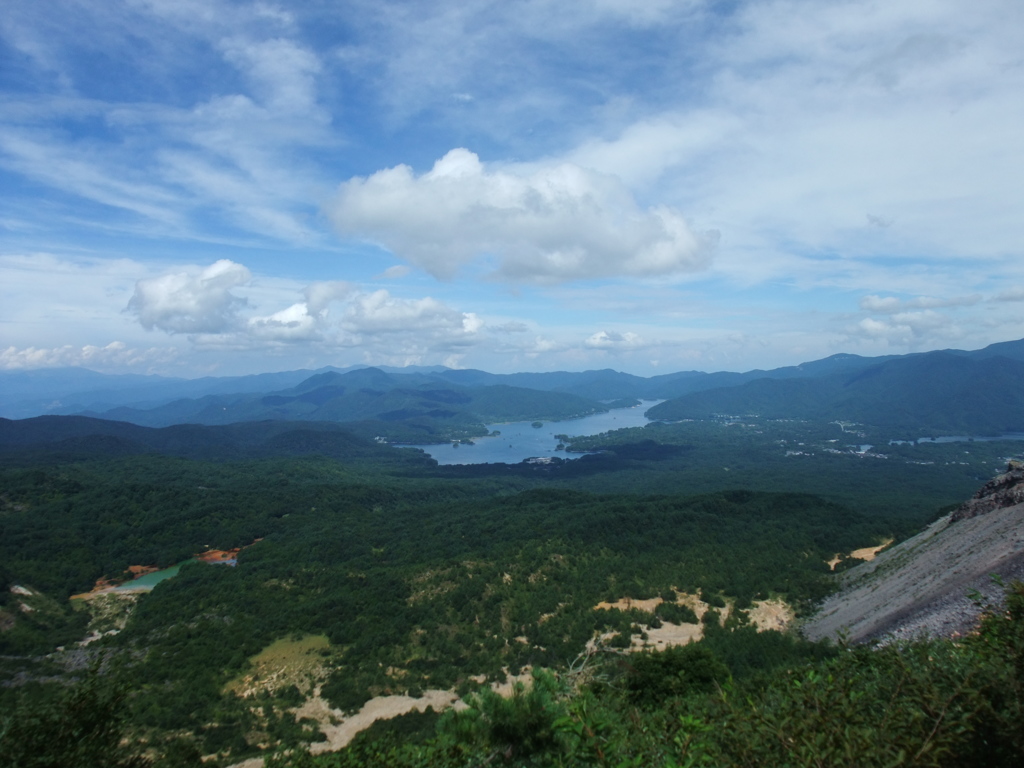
x=368, y=586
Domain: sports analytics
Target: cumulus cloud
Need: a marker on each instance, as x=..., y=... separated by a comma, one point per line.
x=185, y=302
x=116, y=354
x=380, y=312
x=905, y=327
x=547, y=224
x=302, y=321
x=220, y=307
x=320, y=294
x=294, y=323
x=880, y=304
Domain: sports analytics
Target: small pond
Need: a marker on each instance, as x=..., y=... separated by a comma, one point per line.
x=150, y=580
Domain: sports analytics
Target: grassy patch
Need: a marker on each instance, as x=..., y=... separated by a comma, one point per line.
x=297, y=661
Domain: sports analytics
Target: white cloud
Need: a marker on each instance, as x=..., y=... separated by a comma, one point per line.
x=879, y=135
x=395, y=272
x=292, y=324
x=114, y=355
x=282, y=72
x=225, y=149
x=891, y=304
x=185, y=302
x=303, y=321
x=546, y=224
x=880, y=304
x=381, y=313
x=1014, y=294
x=614, y=340
x=908, y=328
x=321, y=294
x=513, y=326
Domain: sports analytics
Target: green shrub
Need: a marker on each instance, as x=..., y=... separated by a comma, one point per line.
x=654, y=676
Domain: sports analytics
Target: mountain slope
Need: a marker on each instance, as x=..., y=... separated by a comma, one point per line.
x=922, y=585
x=78, y=437
x=938, y=391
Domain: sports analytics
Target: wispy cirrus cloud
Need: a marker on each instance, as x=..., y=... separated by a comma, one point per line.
x=230, y=153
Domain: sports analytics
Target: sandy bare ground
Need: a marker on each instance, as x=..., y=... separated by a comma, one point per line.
x=667, y=635
x=506, y=688
x=869, y=553
x=650, y=605
x=111, y=590
x=627, y=604
x=864, y=553
x=772, y=614
x=340, y=730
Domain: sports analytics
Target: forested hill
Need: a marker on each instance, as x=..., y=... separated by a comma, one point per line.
x=426, y=408
x=938, y=392
x=63, y=438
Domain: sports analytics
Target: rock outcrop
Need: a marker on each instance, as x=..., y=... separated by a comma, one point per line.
x=1002, y=491
x=923, y=586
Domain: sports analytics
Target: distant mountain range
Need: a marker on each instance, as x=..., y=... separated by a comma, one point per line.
x=976, y=392
x=409, y=407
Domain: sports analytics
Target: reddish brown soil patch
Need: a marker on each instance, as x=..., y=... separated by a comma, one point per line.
x=218, y=555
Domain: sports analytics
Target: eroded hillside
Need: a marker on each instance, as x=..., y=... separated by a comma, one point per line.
x=924, y=585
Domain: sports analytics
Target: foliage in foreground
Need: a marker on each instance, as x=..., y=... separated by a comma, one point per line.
x=82, y=727
x=926, y=703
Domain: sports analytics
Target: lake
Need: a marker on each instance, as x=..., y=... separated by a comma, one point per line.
x=959, y=439
x=520, y=440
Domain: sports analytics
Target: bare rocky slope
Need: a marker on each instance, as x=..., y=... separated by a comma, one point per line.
x=922, y=586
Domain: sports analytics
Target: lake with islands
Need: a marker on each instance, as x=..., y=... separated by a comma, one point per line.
x=521, y=440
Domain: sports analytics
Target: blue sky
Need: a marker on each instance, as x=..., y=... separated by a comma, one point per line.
x=195, y=187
